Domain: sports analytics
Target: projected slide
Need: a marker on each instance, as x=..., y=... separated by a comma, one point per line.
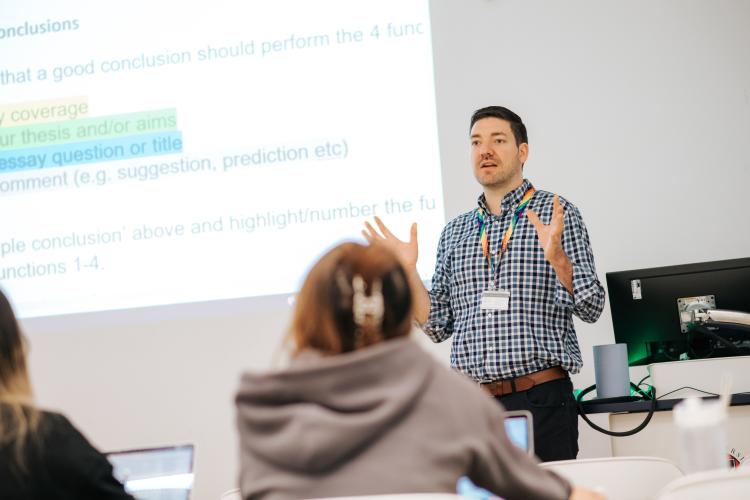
x=171, y=152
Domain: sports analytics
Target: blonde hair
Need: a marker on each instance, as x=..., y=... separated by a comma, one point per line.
x=333, y=313
x=19, y=418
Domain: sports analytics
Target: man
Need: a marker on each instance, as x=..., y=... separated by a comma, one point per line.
x=509, y=276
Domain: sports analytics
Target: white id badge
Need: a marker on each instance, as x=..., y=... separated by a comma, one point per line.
x=495, y=300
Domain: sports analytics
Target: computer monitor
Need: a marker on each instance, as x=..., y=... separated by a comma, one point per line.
x=646, y=307
x=164, y=473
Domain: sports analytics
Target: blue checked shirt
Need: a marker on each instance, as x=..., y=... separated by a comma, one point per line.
x=536, y=332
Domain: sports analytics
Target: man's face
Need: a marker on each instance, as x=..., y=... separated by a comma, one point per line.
x=496, y=157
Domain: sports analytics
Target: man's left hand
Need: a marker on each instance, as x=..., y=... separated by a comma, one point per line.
x=550, y=239
x=550, y=235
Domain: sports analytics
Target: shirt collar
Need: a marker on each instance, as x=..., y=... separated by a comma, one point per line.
x=510, y=200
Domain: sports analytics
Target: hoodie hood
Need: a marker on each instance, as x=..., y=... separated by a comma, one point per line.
x=323, y=410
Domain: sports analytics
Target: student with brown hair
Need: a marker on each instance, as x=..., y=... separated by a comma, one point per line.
x=364, y=410
x=42, y=456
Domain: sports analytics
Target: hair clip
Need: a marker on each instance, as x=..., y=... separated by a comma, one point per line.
x=364, y=305
x=345, y=287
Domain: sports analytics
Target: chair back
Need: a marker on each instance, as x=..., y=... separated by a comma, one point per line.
x=400, y=496
x=233, y=494
x=731, y=484
x=619, y=478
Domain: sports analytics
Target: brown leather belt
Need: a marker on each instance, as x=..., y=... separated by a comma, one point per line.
x=524, y=382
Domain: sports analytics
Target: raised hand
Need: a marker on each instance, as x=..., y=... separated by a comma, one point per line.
x=405, y=251
x=550, y=235
x=550, y=239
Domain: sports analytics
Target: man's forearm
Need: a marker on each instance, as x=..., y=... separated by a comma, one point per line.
x=564, y=270
x=420, y=296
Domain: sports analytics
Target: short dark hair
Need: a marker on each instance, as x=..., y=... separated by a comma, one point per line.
x=516, y=124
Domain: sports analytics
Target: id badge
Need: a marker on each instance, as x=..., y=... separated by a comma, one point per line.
x=495, y=300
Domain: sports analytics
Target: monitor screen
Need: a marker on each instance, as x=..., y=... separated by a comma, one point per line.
x=647, y=304
x=518, y=427
x=155, y=473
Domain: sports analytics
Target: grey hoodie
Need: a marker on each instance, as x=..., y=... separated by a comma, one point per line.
x=385, y=419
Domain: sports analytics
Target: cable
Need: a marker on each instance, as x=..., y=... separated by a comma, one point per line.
x=646, y=396
x=650, y=391
x=668, y=357
x=689, y=387
x=699, y=390
x=635, y=430
x=718, y=338
x=726, y=324
x=694, y=335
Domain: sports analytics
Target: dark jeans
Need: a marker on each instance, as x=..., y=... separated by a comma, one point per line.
x=555, y=418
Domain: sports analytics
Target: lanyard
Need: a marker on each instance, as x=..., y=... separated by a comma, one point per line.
x=481, y=220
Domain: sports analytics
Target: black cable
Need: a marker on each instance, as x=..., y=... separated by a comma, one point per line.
x=693, y=336
x=652, y=409
x=721, y=340
x=669, y=358
x=732, y=326
x=650, y=391
x=689, y=387
x=639, y=428
x=699, y=390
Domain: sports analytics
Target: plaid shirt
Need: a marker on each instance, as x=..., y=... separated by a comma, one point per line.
x=536, y=332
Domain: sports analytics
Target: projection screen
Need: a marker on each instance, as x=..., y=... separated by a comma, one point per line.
x=156, y=153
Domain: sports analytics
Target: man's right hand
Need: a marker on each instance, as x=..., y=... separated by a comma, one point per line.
x=405, y=251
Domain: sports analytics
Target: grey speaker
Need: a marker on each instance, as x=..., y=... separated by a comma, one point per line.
x=611, y=371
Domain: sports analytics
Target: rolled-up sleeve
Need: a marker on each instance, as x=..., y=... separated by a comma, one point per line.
x=587, y=300
x=439, y=325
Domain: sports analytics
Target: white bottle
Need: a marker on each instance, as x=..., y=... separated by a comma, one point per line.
x=701, y=425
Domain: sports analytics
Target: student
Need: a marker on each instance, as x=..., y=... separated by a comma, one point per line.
x=42, y=456
x=364, y=410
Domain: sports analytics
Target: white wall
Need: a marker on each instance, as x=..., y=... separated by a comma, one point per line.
x=638, y=112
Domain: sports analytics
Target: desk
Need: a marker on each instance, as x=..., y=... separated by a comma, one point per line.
x=659, y=438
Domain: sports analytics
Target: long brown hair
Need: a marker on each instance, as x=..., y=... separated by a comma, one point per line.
x=324, y=316
x=18, y=416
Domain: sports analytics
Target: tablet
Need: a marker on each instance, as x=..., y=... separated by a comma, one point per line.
x=519, y=426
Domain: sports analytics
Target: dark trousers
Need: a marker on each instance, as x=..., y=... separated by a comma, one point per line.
x=555, y=418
